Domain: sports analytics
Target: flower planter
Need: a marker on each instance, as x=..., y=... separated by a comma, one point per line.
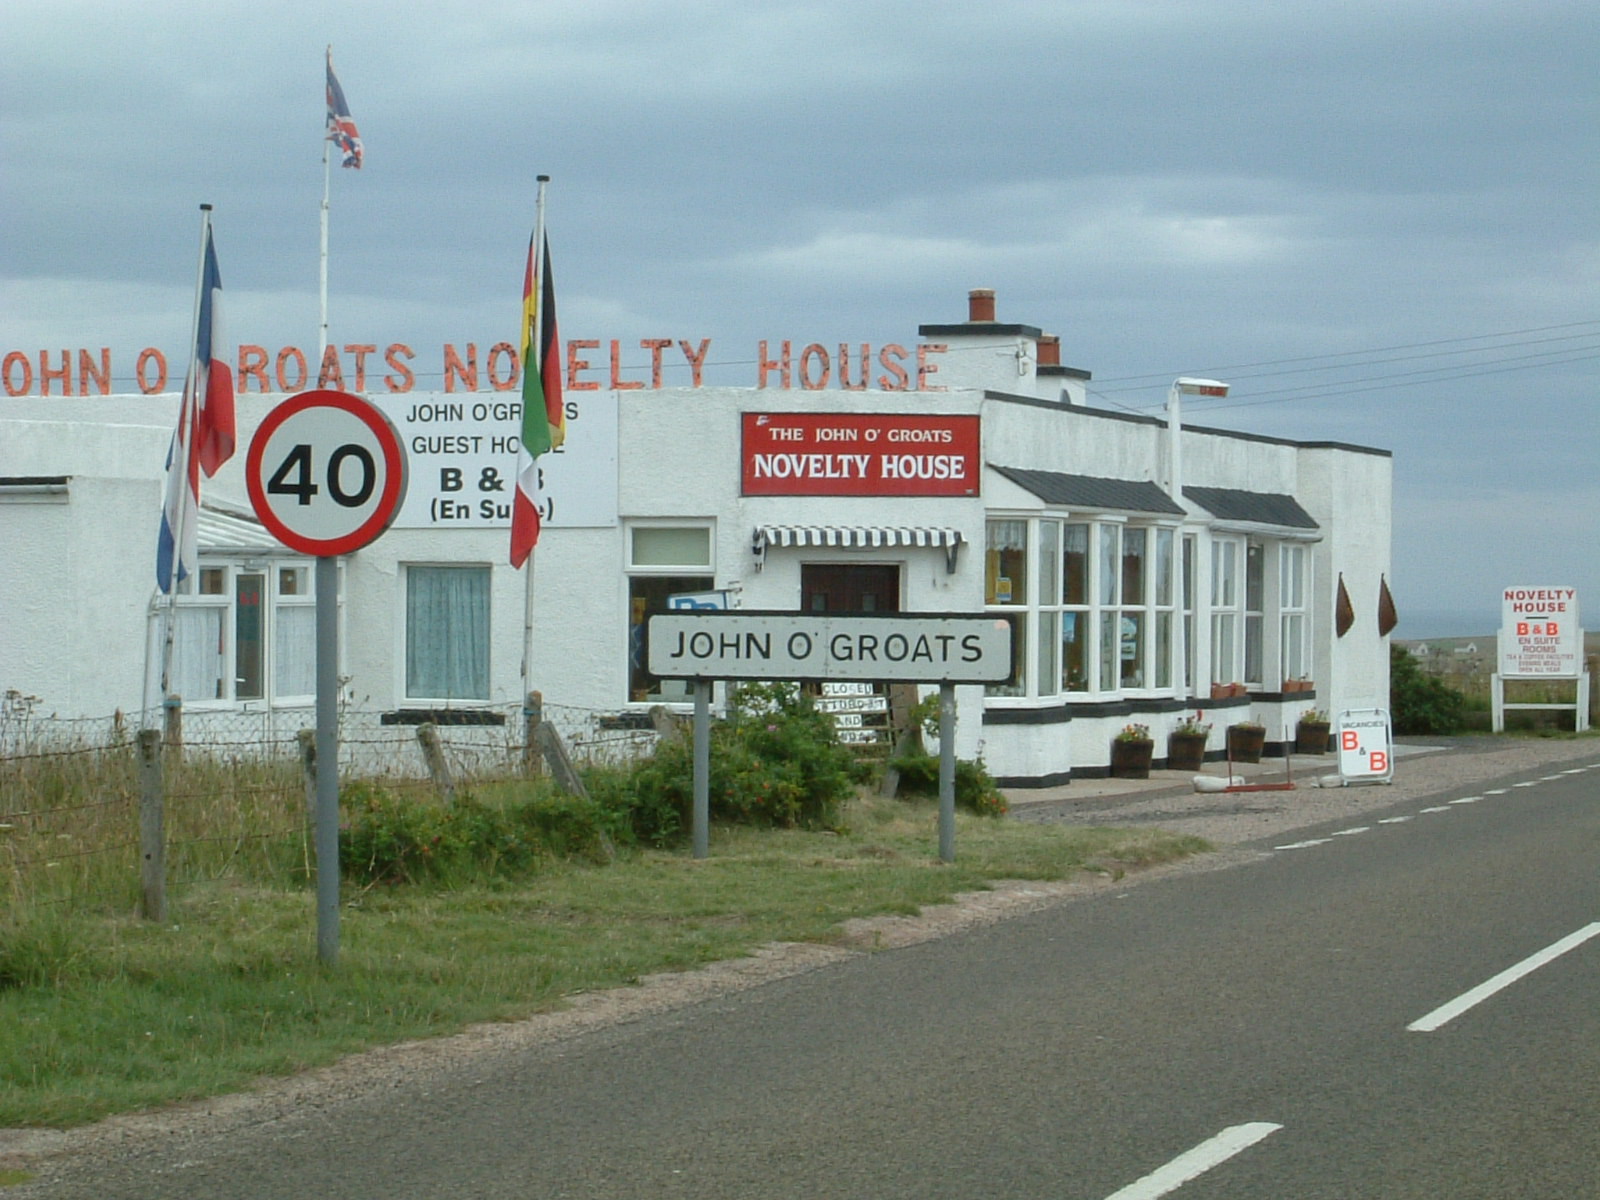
x=1186, y=751
x=1311, y=737
x=1245, y=743
x=1131, y=760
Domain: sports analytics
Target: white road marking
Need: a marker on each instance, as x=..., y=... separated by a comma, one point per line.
x=1452, y=1010
x=1349, y=832
x=1304, y=845
x=1436, y=808
x=1198, y=1161
x=1467, y=800
x=1393, y=820
x=1527, y=783
x=1497, y=792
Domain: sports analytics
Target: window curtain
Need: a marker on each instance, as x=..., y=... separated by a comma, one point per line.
x=294, y=648
x=197, y=652
x=447, y=633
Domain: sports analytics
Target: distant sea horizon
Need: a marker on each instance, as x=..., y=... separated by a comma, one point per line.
x=1421, y=624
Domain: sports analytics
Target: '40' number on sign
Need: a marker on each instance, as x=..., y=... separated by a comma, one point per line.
x=294, y=476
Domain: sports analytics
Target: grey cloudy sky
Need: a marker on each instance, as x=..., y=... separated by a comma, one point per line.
x=1376, y=220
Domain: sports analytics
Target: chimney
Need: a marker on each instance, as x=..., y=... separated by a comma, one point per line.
x=1049, y=350
x=980, y=304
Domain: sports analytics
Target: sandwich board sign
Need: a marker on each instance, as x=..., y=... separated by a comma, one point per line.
x=1366, y=746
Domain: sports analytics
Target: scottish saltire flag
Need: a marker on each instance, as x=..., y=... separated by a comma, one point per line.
x=544, y=420
x=342, y=131
x=206, y=432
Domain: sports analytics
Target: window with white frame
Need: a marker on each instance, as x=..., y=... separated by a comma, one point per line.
x=1227, y=598
x=447, y=633
x=1092, y=603
x=1255, y=603
x=244, y=632
x=1294, y=564
x=663, y=561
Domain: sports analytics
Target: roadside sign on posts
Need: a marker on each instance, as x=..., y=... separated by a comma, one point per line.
x=326, y=473
x=886, y=647
x=1366, y=746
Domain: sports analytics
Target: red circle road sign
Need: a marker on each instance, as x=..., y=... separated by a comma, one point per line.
x=326, y=473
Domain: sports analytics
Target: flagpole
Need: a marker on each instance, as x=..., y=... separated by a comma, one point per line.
x=535, y=343
x=322, y=339
x=188, y=408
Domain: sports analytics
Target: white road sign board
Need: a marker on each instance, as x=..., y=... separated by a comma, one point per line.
x=891, y=648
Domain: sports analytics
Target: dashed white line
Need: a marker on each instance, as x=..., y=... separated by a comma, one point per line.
x=1497, y=792
x=1436, y=808
x=1452, y=1010
x=1467, y=800
x=1304, y=845
x=1202, y=1158
x=1351, y=832
x=1527, y=783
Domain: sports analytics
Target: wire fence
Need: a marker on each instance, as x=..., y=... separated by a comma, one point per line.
x=234, y=785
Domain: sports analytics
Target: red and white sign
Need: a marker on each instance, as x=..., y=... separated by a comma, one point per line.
x=859, y=454
x=326, y=473
x=1365, y=744
x=1540, y=634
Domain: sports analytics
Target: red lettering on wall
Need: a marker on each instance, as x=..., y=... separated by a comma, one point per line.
x=862, y=371
x=814, y=351
x=291, y=354
x=252, y=365
x=617, y=381
x=497, y=351
x=696, y=361
x=17, y=359
x=896, y=380
x=576, y=364
x=925, y=368
x=455, y=369
x=655, y=346
x=360, y=352
x=330, y=374
x=87, y=371
x=766, y=365
x=145, y=356
x=403, y=381
x=46, y=374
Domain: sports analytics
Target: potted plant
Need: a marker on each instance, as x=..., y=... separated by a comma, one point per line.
x=1186, y=744
x=1246, y=741
x=1131, y=751
x=1311, y=732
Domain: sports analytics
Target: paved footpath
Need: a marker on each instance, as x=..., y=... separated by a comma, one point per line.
x=1169, y=800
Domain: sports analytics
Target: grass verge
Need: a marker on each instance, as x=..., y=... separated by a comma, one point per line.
x=228, y=990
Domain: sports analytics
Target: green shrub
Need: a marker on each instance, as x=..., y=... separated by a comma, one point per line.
x=776, y=760
x=1419, y=703
x=974, y=787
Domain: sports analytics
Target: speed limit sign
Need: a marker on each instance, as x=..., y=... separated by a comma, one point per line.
x=326, y=473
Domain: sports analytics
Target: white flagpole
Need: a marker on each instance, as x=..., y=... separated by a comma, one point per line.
x=188, y=412
x=322, y=339
x=536, y=347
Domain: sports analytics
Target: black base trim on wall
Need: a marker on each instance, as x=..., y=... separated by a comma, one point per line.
x=442, y=716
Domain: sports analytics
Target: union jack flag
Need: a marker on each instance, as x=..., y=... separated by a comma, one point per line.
x=342, y=131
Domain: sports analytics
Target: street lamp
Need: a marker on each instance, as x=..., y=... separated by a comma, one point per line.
x=1182, y=386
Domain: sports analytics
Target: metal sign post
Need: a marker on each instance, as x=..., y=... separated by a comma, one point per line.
x=326, y=473
x=703, y=645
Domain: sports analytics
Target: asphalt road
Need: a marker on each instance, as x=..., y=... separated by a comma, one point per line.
x=1246, y=1027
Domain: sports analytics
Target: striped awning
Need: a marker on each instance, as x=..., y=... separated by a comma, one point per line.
x=856, y=537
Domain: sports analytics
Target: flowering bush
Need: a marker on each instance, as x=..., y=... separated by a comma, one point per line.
x=1193, y=727
x=1134, y=732
x=1313, y=716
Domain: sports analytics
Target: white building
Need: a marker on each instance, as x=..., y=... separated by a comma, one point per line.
x=969, y=476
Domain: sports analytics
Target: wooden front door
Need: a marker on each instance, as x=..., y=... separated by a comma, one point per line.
x=841, y=588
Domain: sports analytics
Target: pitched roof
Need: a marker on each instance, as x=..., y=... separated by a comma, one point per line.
x=1090, y=491
x=1261, y=508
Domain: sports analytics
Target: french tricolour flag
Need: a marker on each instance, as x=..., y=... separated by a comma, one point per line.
x=204, y=438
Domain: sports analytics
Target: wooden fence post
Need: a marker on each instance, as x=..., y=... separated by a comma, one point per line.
x=152, y=837
x=172, y=724
x=555, y=754
x=433, y=752
x=308, y=771
x=532, y=715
